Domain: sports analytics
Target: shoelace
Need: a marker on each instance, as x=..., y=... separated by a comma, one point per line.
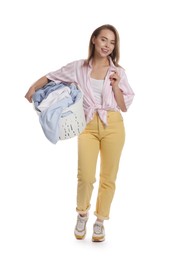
x=98, y=228
x=80, y=224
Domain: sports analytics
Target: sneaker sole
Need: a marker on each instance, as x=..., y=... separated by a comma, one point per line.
x=80, y=237
x=98, y=239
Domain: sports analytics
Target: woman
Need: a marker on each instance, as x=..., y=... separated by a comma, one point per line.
x=106, y=93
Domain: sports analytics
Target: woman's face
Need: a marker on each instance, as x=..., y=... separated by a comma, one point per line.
x=104, y=43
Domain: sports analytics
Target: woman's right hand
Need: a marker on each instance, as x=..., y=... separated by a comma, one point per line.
x=37, y=85
x=29, y=94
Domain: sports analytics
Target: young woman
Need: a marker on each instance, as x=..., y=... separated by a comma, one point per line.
x=106, y=93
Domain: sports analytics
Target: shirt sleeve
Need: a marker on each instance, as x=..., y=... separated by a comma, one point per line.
x=126, y=89
x=64, y=74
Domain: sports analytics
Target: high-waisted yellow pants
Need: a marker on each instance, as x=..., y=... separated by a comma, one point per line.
x=109, y=142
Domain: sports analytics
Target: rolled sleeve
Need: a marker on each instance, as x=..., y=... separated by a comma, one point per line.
x=64, y=74
x=126, y=89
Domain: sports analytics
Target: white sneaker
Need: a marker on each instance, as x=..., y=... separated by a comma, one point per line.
x=98, y=232
x=80, y=228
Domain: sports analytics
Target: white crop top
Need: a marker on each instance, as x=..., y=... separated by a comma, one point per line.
x=97, y=88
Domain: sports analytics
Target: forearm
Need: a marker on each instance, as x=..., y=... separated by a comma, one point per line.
x=119, y=98
x=39, y=83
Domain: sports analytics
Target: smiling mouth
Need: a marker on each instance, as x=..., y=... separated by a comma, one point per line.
x=104, y=50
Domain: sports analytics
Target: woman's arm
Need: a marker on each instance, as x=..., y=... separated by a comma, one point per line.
x=119, y=98
x=115, y=78
x=37, y=85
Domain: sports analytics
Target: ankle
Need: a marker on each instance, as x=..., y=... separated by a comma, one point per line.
x=83, y=215
x=100, y=221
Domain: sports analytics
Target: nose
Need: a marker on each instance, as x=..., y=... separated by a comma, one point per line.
x=107, y=44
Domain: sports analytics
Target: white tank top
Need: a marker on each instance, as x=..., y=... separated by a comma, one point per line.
x=97, y=88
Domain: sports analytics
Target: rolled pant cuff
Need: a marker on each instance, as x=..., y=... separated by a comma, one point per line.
x=100, y=217
x=83, y=211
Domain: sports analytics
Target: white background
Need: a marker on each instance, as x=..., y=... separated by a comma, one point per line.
x=38, y=179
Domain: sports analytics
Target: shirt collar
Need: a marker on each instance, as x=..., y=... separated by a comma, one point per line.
x=112, y=66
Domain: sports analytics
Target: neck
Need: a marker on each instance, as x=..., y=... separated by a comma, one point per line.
x=98, y=61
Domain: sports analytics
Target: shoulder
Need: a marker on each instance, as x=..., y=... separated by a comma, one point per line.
x=81, y=65
x=73, y=65
x=121, y=71
x=116, y=67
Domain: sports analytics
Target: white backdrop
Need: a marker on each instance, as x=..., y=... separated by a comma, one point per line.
x=38, y=179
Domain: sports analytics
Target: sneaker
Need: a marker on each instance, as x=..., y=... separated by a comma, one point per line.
x=98, y=232
x=80, y=228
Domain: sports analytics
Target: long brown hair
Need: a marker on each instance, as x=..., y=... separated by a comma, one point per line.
x=115, y=55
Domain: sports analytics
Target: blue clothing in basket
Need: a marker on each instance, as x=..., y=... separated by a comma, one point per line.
x=49, y=118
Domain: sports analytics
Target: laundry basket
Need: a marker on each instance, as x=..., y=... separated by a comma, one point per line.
x=72, y=119
x=74, y=123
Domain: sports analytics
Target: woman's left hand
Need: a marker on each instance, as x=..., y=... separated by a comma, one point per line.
x=114, y=79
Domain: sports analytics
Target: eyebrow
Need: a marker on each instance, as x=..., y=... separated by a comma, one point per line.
x=107, y=38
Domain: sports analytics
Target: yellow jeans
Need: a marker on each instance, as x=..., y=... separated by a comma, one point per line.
x=109, y=142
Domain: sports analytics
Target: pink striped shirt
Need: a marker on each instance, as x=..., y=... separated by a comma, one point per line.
x=79, y=73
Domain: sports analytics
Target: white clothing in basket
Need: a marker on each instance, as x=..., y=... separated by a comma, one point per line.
x=64, y=118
